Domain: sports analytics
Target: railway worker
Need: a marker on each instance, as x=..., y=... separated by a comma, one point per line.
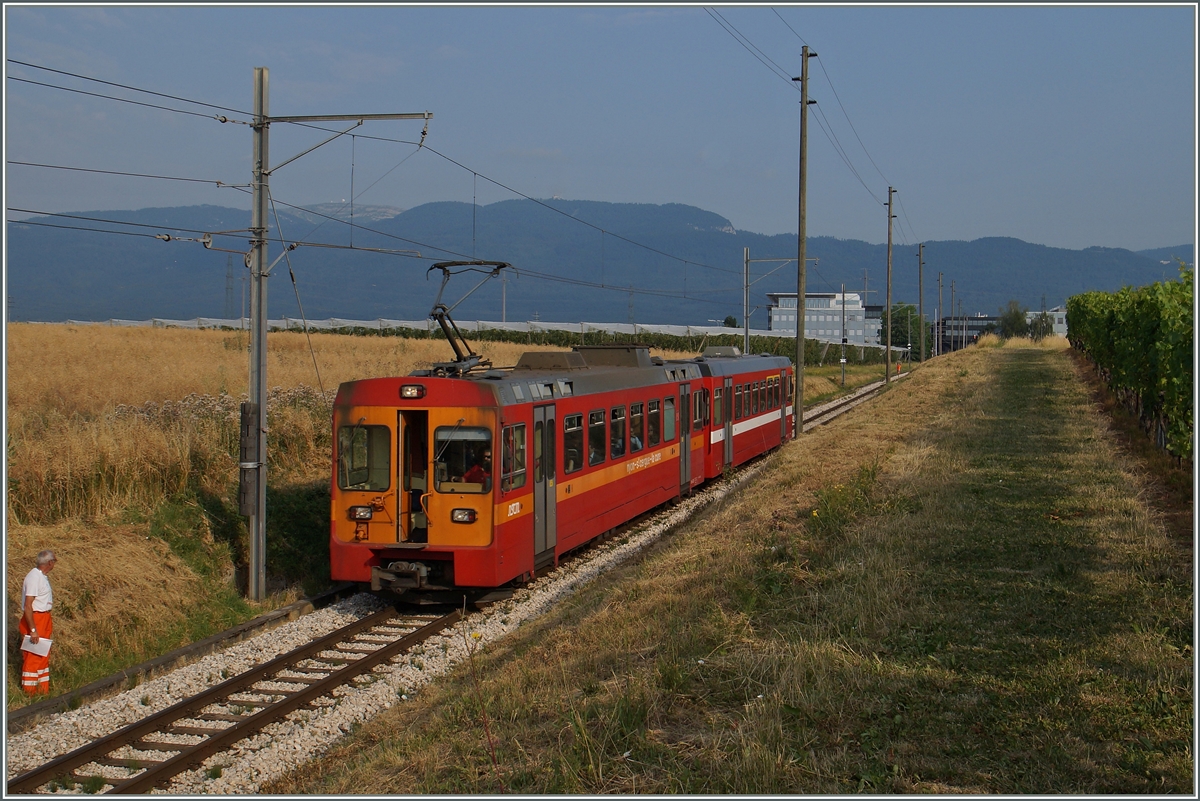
x=481, y=471
x=35, y=621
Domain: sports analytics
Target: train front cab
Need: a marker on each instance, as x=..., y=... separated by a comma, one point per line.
x=406, y=511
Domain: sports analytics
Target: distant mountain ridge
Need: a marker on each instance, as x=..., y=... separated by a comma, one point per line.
x=574, y=260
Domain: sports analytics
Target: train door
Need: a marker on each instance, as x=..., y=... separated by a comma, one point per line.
x=545, y=528
x=412, y=430
x=685, y=439
x=783, y=421
x=728, y=421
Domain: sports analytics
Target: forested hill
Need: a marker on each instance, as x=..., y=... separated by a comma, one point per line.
x=661, y=264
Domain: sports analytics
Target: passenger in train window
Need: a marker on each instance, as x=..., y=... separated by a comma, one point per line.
x=481, y=471
x=617, y=432
x=637, y=422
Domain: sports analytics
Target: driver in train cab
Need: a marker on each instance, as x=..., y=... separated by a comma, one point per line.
x=481, y=471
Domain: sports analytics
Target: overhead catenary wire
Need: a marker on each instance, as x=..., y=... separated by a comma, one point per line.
x=130, y=88
x=218, y=117
x=296, y=288
x=419, y=145
x=214, y=181
x=545, y=276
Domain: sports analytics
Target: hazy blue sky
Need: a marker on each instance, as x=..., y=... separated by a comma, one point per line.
x=1065, y=126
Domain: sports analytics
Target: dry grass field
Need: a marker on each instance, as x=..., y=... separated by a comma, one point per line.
x=121, y=457
x=960, y=588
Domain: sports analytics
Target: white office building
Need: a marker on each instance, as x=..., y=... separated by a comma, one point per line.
x=824, y=315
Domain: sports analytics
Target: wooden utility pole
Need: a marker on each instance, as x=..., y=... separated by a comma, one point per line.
x=921, y=294
x=801, y=245
x=887, y=310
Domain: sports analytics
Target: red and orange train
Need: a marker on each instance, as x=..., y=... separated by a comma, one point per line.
x=586, y=440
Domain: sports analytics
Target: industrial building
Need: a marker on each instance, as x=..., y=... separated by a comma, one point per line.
x=825, y=316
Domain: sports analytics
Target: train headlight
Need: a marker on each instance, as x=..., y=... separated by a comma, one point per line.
x=463, y=516
x=412, y=391
x=360, y=512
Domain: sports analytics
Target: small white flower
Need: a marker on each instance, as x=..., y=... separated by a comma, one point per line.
x=626, y=755
x=699, y=661
x=759, y=696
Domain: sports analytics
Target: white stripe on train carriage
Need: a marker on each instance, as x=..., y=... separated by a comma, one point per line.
x=718, y=434
x=756, y=422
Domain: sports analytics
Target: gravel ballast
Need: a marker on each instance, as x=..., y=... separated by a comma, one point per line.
x=306, y=733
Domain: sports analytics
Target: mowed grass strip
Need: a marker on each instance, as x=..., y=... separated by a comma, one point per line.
x=955, y=590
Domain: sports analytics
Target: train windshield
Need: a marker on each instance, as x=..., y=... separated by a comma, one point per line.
x=463, y=459
x=364, y=454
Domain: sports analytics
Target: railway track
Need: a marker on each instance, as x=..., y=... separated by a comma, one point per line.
x=148, y=753
x=820, y=415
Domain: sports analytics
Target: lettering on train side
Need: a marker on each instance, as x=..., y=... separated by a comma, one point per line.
x=514, y=508
x=644, y=461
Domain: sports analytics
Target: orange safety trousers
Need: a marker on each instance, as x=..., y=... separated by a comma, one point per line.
x=35, y=670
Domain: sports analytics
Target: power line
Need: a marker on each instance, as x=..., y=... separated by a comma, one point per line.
x=541, y=203
x=119, y=172
x=836, y=96
x=741, y=39
x=420, y=145
x=782, y=74
x=217, y=117
x=130, y=88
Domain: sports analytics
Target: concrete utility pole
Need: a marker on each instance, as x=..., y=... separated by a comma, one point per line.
x=921, y=294
x=843, y=335
x=745, y=300
x=801, y=264
x=253, y=464
x=887, y=310
x=953, y=327
x=937, y=341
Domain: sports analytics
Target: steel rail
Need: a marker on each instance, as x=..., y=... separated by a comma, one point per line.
x=219, y=739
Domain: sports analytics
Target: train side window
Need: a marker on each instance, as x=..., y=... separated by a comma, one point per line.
x=737, y=402
x=762, y=396
x=717, y=419
x=637, y=427
x=752, y=400
x=364, y=458
x=572, y=443
x=668, y=419
x=699, y=408
x=787, y=390
x=512, y=467
x=597, y=441
x=655, y=422
x=771, y=400
x=617, y=432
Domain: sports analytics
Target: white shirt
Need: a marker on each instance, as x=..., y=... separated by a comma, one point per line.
x=37, y=585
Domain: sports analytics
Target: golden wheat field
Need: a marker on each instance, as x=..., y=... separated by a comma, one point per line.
x=112, y=430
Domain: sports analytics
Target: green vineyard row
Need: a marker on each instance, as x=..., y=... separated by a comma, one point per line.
x=1141, y=341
